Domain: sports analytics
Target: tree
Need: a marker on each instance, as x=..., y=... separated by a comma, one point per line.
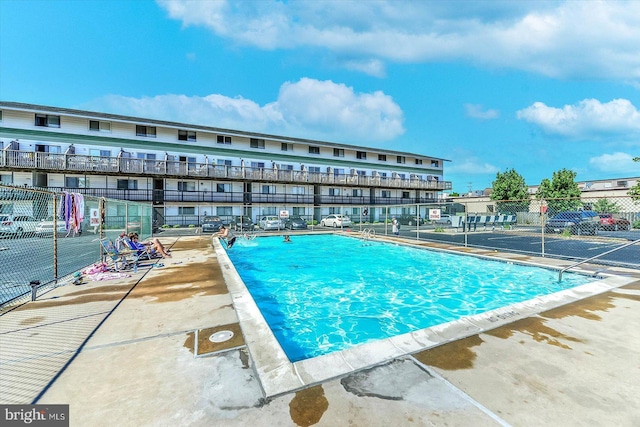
x=605, y=206
x=510, y=192
x=562, y=192
x=634, y=192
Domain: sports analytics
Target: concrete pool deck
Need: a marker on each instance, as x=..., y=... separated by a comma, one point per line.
x=136, y=351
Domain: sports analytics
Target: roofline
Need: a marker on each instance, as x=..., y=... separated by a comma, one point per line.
x=138, y=120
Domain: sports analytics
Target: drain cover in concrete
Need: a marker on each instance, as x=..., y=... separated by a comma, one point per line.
x=221, y=336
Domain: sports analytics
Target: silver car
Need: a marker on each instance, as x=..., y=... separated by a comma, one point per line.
x=271, y=223
x=335, y=221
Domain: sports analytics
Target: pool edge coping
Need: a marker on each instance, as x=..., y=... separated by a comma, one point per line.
x=278, y=375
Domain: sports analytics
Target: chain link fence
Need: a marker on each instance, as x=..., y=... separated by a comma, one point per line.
x=45, y=236
x=573, y=229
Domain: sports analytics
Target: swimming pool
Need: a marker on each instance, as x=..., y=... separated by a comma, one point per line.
x=326, y=293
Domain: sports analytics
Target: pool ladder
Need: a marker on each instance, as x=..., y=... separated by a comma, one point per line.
x=594, y=257
x=366, y=235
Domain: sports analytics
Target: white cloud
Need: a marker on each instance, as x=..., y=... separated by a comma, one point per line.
x=616, y=163
x=588, y=118
x=471, y=166
x=558, y=39
x=308, y=109
x=477, y=111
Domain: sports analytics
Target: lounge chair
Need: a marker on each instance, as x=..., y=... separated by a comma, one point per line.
x=142, y=254
x=121, y=259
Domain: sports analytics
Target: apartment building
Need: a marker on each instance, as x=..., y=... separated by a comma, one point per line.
x=188, y=171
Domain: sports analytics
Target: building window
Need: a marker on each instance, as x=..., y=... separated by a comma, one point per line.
x=357, y=192
x=222, y=162
x=361, y=173
x=405, y=195
x=127, y=184
x=223, y=188
x=186, y=210
x=418, y=161
x=386, y=194
x=285, y=167
x=401, y=176
x=75, y=182
x=362, y=155
x=100, y=153
x=299, y=211
x=401, y=159
x=334, y=191
x=337, y=152
x=314, y=150
x=314, y=169
x=383, y=174
x=286, y=147
x=623, y=183
x=224, y=210
x=257, y=165
x=435, y=163
x=148, y=131
x=47, y=120
x=223, y=139
x=257, y=143
x=52, y=149
x=337, y=172
x=297, y=190
x=0, y=115
x=146, y=156
x=186, y=186
x=268, y=189
x=186, y=135
x=98, y=126
x=382, y=157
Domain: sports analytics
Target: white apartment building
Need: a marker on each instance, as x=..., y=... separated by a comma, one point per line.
x=188, y=171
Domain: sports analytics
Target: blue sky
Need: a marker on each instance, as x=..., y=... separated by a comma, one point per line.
x=491, y=85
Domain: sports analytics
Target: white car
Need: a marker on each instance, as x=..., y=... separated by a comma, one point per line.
x=45, y=227
x=17, y=225
x=335, y=221
x=271, y=223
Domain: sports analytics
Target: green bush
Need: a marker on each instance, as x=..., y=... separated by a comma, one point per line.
x=566, y=233
x=165, y=226
x=636, y=224
x=312, y=222
x=439, y=230
x=176, y=226
x=192, y=226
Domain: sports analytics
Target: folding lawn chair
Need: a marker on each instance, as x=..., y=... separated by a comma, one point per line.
x=125, y=258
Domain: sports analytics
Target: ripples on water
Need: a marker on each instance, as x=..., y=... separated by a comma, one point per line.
x=321, y=294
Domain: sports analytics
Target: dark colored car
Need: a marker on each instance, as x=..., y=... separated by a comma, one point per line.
x=211, y=224
x=612, y=223
x=411, y=220
x=576, y=222
x=295, y=223
x=241, y=223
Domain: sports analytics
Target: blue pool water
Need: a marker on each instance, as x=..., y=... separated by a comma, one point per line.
x=326, y=293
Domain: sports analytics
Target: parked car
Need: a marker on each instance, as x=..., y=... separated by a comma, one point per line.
x=295, y=223
x=444, y=219
x=576, y=222
x=271, y=223
x=45, y=227
x=335, y=221
x=17, y=225
x=211, y=224
x=411, y=220
x=610, y=222
x=241, y=223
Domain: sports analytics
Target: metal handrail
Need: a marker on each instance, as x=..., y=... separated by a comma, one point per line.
x=594, y=257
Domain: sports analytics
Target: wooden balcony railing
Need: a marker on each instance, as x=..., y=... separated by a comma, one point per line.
x=13, y=159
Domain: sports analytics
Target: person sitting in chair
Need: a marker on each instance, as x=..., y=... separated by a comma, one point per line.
x=152, y=246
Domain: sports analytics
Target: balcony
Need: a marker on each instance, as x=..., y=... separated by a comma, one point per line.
x=72, y=163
